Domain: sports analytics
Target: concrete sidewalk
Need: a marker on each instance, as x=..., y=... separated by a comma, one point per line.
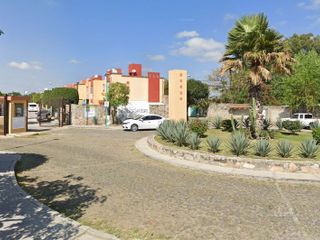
x=143, y=146
x=23, y=217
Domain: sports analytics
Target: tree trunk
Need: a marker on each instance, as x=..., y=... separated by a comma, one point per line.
x=255, y=93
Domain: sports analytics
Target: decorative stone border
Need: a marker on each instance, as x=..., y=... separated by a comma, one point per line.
x=311, y=167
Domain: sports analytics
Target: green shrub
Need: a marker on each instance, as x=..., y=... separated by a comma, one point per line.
x=284, y=148
x=239, y=143
x=264, y=134
x=227, y=125
x=316, y=134
x=309, y=148
x=194, y=141
x=279, y=124
x=292, y=126
x=213, y=144
x=217, y=122
x=198, y=126
x=315, y=124
x=262, y=148
x=181, y=133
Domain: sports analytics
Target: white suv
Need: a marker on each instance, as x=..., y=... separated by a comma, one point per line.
x=306, y=119
x=151, y=121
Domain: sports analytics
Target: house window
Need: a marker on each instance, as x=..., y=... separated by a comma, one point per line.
x=18, y=110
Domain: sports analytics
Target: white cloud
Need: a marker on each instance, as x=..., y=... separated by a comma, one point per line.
x=25, y=65
x=202, y=49
x=229, y=17
x=74, y=61
x=310, y=5
x=187, y=34
x=157, y=57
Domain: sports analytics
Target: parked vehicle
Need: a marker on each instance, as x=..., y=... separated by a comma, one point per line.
x=33, y=107
x=150, y=121
x=304, y=118
x=44, y=116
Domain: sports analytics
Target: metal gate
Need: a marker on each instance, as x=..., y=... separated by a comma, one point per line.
x=60, y=113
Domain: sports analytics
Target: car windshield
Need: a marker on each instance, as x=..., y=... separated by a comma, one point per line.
x=137, y=118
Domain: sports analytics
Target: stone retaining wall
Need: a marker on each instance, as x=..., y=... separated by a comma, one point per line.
x=237, y=162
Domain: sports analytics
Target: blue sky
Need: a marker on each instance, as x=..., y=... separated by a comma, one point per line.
x=49, y=43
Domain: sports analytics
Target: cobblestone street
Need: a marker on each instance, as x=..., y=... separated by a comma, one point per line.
x=98, y=178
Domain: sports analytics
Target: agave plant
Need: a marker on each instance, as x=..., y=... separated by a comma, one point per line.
x=266, y=124
x=309, y=148
x=217, y=122
x=181, y=133
x=213, y=144
x=284, y=148
x=165, y=130
x=194, y=141
x=262, y=148
x=239, y=143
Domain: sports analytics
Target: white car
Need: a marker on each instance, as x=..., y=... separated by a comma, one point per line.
x=33, y=107
x=151, y=121
x=306, y=119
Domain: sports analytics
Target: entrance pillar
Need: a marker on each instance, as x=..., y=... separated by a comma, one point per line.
x=178, y=95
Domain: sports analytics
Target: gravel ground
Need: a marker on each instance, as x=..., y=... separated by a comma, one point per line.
x=98, y=178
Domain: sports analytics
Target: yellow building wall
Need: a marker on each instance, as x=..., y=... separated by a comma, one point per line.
x=138, y=86
x=178, y=95
x=98, y=91
x=82, y=92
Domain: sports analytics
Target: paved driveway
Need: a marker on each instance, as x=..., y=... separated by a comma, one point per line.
x=100, y=179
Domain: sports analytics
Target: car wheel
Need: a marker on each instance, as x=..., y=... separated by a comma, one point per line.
x=134, y=127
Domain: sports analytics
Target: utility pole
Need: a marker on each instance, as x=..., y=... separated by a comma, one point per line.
x=106, y=104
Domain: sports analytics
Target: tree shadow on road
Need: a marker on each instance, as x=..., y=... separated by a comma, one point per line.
x=22, y=217
x=68, y=195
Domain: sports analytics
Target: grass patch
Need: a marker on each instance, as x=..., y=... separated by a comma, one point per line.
x=129, y=234
x=294, y=139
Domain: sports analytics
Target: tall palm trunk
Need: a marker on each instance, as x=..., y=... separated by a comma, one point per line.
x=255, y=94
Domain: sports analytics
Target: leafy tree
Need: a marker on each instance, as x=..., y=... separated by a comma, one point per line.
x=1, y=32
x=166, y=87
x=302, y=89
x=54, y=96
x=303, y=42
x=118, y=95
x=198, y=95
x=236, y=89
x=197, y=91
x=35, y=97
x=254, y=47
x=13, y=93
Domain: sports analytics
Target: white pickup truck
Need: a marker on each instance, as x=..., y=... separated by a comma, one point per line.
x=304, y=118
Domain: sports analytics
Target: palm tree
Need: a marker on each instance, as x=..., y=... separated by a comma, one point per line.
x=256, y=48
x=1, y=32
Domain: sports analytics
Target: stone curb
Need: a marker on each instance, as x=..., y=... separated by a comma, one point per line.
x=144, y=146
x=85, y=232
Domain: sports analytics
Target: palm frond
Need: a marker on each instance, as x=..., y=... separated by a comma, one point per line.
x=231, y=64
